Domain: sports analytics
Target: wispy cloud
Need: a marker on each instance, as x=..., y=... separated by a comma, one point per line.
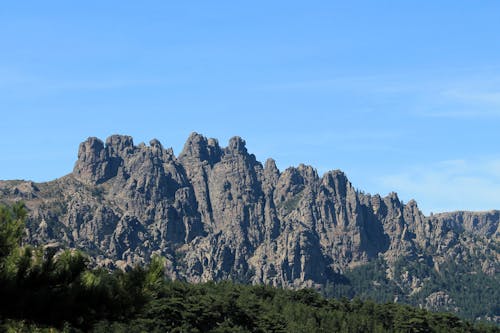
x=485, y=97
x=367, y=84
x=448, y=94
x=347, y=140
x=462, y=97
x=10, y=80
x=456, y=114
x=450, y=185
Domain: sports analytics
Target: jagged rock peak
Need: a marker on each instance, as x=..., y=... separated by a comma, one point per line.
x=119, y=143
x=237, y=144
x=393, y=196
x=199, y=147
x=271, y=172
x=90, y=149
x=97, y=162
x=155, y=143
x=335, y=174
x=308, y=173
x=92, y=143
x=413, y=204
x=89, y=166
x=270, y=166
x=330, y=178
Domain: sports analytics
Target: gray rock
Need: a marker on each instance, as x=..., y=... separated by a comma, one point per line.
x=217, y=213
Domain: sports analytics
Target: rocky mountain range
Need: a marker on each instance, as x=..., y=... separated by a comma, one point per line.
x=217, y=213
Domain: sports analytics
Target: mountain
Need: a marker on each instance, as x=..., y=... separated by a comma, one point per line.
x=217, y=213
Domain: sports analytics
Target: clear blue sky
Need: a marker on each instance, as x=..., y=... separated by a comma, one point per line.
x=401, y=95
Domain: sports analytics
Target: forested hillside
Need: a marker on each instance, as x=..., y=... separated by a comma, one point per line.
x=45, y=290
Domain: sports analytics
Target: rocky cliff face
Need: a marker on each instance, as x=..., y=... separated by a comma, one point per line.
x=216, y=212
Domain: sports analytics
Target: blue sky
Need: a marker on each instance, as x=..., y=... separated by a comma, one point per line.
x=401, y=95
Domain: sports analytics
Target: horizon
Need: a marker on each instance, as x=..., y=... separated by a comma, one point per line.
x=402, y=97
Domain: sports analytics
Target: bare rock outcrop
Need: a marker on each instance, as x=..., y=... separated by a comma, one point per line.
x=216, y=212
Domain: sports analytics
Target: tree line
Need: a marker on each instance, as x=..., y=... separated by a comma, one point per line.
x=47, y=290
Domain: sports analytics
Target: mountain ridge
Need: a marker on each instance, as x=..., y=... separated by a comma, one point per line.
x=217, y=213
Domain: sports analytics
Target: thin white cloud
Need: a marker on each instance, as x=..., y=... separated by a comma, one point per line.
x=348, y=140
x=486, y=97
x=366, y=84
x=449, y=185
x=39, y=84
x=456, y=114
x=448, y=94
x=462, y=97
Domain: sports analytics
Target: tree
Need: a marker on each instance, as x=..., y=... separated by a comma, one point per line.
x=11, y=227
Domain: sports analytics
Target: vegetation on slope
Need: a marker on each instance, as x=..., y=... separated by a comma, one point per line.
x=41, y=290
x=473, y=293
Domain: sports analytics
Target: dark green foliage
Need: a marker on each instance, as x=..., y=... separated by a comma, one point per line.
x=44, y=291
x=11, y=227
x=366, y=282
x=474, y=293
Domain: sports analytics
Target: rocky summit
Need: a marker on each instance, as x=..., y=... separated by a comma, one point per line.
x=217, y=213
